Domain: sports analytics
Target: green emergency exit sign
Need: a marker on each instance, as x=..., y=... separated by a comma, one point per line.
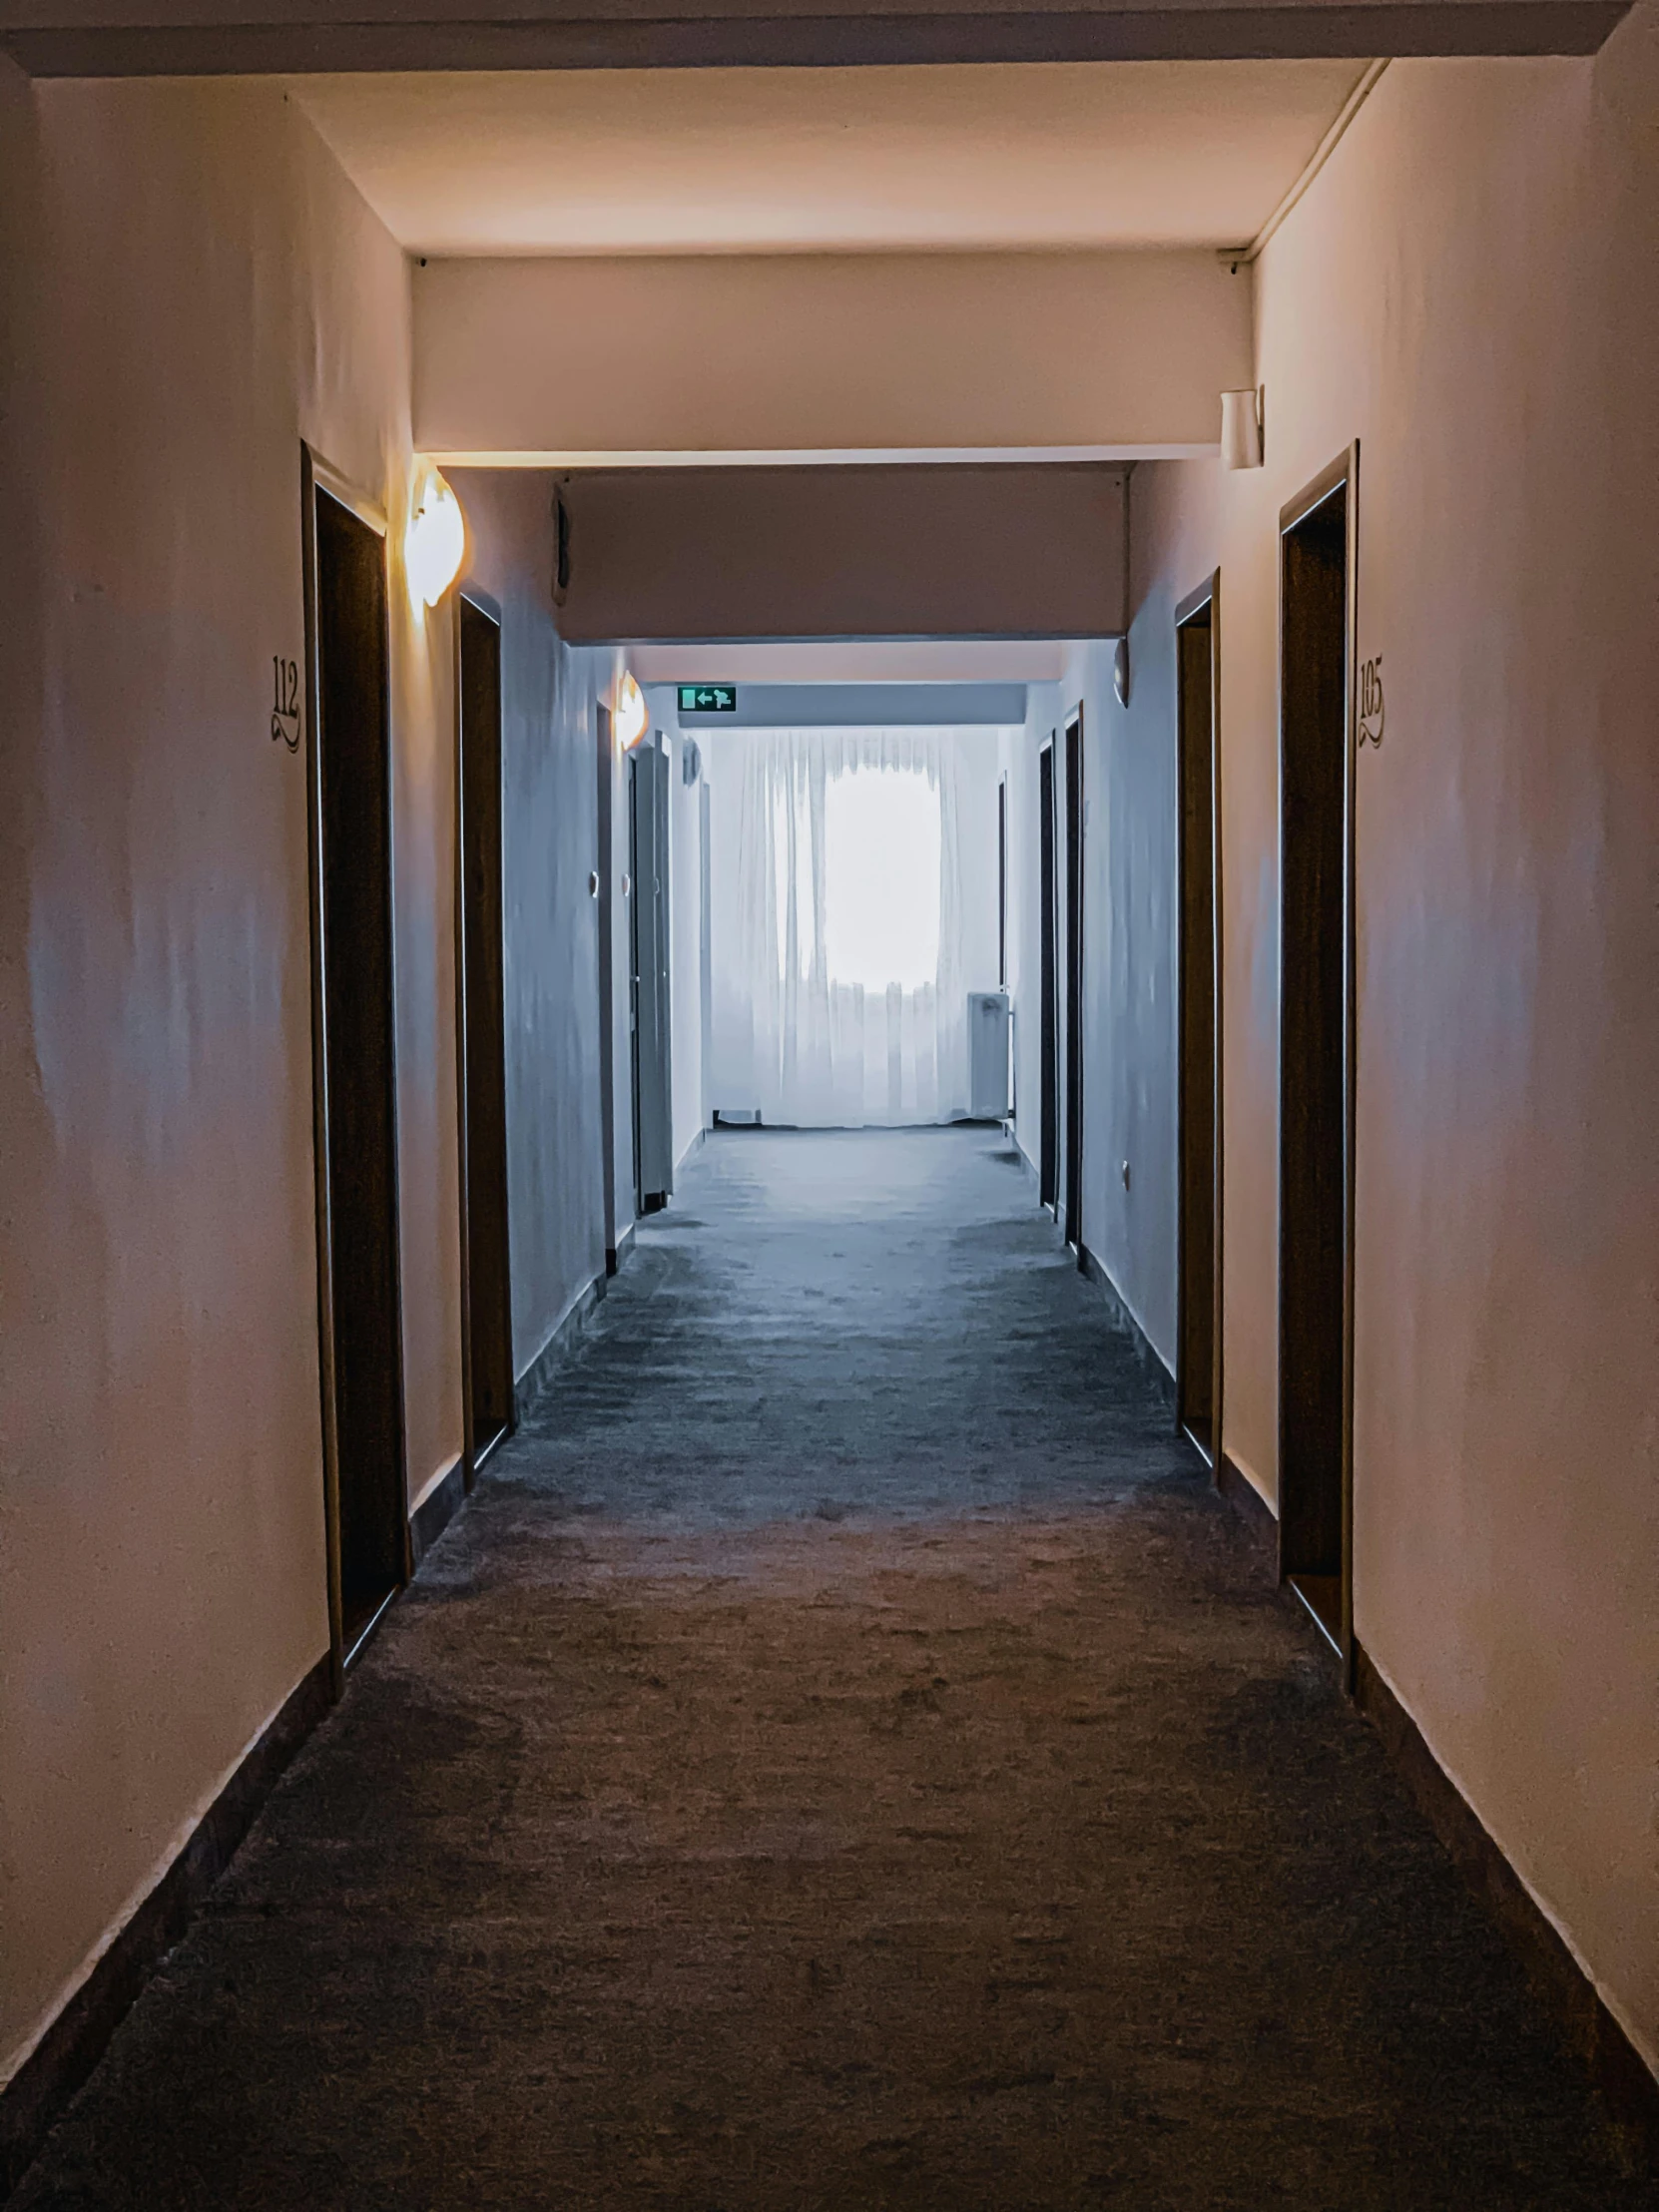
x=708, y=699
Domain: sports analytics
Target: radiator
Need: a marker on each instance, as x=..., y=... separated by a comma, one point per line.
x=988, y=1023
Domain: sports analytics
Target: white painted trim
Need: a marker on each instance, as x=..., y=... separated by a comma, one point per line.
x=1245, y=1469
x=340, y=486
x=437, y=1475
x=1240, y=257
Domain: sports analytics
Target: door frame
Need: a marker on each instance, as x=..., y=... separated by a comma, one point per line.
x=1206, y=596
x=319, y=476
x=1075, y=878
x=471, y=1459
x=1048, y=981
x=1342, y=473
x=604, y=889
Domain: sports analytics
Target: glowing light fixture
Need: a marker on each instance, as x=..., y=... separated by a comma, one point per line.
x=436, y=543
x=631, y=716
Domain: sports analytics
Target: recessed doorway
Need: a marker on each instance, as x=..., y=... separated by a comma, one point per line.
x=1315, y=1047
x=360, y=1298
x=1074, y=987
x=648, y=978
x=1198, y=1367
x=481, y=1012
x=1049, y=1172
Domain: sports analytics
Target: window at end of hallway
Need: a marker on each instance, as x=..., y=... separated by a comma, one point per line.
x=882, y=879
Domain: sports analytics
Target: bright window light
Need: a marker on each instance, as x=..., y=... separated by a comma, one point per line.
x=882, y=879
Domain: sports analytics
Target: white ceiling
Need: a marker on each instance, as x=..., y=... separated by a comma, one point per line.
x=1094, y=154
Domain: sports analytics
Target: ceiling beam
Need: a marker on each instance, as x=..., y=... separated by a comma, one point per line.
x=841, y=553
x=289, y=37
x=717, y=356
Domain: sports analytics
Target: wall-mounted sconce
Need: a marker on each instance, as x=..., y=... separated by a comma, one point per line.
x=434, y=546
x=1119, y=672
x=631, y=716
x=1241, y=429
x=691, y=762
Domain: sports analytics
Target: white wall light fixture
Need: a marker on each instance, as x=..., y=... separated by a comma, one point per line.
x=631, y=716
x=434, y=545
x=1241, y=429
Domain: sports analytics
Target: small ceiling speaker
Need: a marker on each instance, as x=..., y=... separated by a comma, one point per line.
x=1241, y=429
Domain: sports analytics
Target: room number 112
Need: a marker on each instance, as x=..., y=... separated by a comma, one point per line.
x=284, y=702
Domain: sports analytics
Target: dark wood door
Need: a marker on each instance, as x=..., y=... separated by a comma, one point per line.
x=1048, y=1168
x=1198, y=1121
x=1315, y=954
x=605, y=762
x=482, y=1021
x=648, y=978
x=1074, y=985
x=354, y=973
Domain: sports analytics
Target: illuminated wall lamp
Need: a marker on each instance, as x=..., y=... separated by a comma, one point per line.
x=434, y=546
x=631, y=716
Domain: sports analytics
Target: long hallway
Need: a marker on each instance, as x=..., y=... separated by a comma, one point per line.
x=845, y=1755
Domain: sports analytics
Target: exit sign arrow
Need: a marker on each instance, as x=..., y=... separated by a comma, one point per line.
x=708, y=699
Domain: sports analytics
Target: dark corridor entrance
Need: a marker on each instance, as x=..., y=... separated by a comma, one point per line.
x=1048, y=1178
x=1074, y=984
x=355, y=1072
x=648, y=830
x=1198, y=1186
x=486, y=1305
x=1315, y=1047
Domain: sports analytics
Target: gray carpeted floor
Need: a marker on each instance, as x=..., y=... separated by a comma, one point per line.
x=843, y=1756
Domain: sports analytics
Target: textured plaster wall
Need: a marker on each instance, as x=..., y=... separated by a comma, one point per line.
x=550, y=827
x=1471, y=288
x=191, y=288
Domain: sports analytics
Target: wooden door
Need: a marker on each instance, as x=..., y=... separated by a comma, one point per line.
x=604, y=891
x=1074, y=987
x=653, y=1089
x=1198, y=909
x=481, y=1021
x=1316, y=969
x=1048, y=1176
x=354, y=1030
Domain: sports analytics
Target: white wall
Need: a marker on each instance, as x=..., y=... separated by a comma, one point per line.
x=824, y=352
x=196, y=289
x=1470, y=288
x=550, y=829
x=190, y=287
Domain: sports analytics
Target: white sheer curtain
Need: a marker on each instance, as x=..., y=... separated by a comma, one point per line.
x=838, y=993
